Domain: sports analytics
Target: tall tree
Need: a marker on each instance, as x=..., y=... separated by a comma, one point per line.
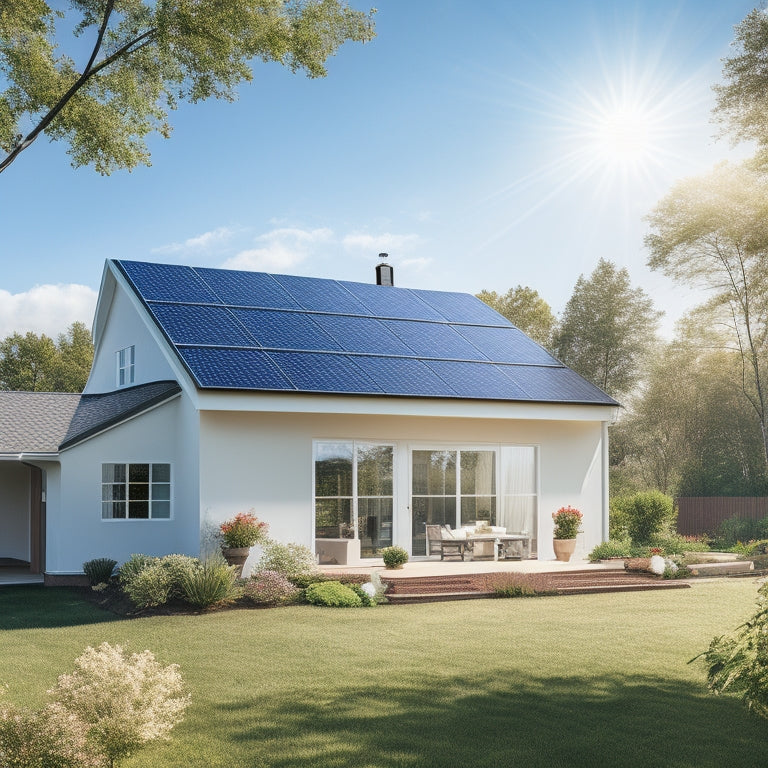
x=712, y=232
x=35, y=363
x=523, y=307
x=143, y=57
x=742, y=98
x=607, y=329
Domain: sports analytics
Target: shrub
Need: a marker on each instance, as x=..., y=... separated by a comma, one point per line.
x=123, y=701
x=269, y=588
x=674, y=544
x=611, y=548
x=243, y=530
x=99, y=571
x=134, y=565
x=520, y=585
x=150, y=587
x=303, y=580
x=567, y=522
x=366, y=594
x=332, y=593
x=737, y=662
x=394, y=557
x=740, y=529
x=178, y=567
x=292, y=560
x=213, y=583
x=647, y=514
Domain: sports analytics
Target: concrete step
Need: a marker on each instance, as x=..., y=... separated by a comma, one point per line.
x=732, y=568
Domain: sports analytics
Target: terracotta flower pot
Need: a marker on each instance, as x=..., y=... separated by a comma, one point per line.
x=236, y=556
x=564, y=548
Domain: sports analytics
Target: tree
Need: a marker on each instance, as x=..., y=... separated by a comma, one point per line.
x=742, y=99
x=523, y=307
x=33, y=363
x=607, y=329
x=712, y=232
x=143, y=58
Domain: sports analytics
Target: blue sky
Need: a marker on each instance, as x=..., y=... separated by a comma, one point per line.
x=472, y=141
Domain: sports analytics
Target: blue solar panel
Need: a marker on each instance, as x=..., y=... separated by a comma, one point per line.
x=404, y=376
x=195, y=324
x=462, y=308
x=554, y=384
x=477, y=380
x=318, y=295
x=362, y=334
x=506, y=345
x=167, y=282
x=285, y=330
x=315, y=372
x=434, y=340
x=233, y=368
x=388, y=301
x=247, y=289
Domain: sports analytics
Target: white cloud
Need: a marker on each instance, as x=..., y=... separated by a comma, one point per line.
x=48, y=309
x=279, y=249
x=384, y=242
x=204, y=242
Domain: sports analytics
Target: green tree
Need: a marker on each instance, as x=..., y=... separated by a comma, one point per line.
x=711, y=232
x=742, y=98
x=523, y=307
x=142, y=58
x=33, y=363
x=607, y=329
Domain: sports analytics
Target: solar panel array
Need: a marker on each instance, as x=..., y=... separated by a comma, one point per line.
x=258, y=331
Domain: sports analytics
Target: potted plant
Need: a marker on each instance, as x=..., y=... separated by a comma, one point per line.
x=567, y=526
x=238, y=535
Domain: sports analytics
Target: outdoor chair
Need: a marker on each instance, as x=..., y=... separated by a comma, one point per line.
x=440, y=539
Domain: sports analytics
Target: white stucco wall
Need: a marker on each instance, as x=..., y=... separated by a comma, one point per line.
x=125, y=327
x=14, y=510
x=76, y=532
x=264, y=461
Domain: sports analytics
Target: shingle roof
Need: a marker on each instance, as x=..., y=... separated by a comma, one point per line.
x=100, y=411
x=258, y=331
x=35, y=422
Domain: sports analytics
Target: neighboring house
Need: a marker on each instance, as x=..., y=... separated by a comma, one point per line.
x=337, y=411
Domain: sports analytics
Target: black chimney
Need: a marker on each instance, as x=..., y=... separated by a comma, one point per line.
x=384, y=272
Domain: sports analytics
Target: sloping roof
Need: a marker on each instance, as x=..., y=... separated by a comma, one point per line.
x=258, y=331
x=35, y=422
x=98, y=412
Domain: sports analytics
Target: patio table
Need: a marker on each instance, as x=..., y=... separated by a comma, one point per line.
x=502, y=538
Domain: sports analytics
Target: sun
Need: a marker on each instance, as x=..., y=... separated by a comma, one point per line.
x=624, y=135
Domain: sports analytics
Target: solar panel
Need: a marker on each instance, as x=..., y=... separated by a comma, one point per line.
x=477, y=380
x=315, y=372
x=434, y=340
x=234, y=368
x=506, y=345
x=247, y=289
x=285, y=330
x=318, y=295
x=362, y=334
x=554, y=384
x=462, y=308
x=388, y=301
x=167, y=282
x=404, y=376
x=195, y=324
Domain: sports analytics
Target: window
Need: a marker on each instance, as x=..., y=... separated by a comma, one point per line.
x=354, y=493
x=126, y=359
x=135, y=491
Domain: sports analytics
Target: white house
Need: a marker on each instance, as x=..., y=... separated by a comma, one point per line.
x=336, y=411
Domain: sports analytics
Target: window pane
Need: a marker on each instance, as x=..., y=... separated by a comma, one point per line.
x=161, y=473
x=113, y=493
x=430, y=510
x=111, y=510
x=138, y=510
x=333, y=519
x=161, y=509
x=138, y=473
x=374, y=470
x=520, y=514
x=478, y=508
x=374, y=523
x=138, y=491
x=518, y=469
x=113, y=473
x=478, y=472
x=333, y=469
x=161, y=491
x=434, y=473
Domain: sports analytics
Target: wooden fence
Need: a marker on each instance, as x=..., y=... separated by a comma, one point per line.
x=703, y=514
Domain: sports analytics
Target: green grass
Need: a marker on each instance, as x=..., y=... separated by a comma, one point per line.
x=594, y=680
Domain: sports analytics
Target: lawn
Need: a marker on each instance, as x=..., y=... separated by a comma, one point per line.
x=594, y=680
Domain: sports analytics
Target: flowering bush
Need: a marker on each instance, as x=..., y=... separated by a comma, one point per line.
x=291, y=560
x=269, y=588
x=243, y=530
x=567, y=522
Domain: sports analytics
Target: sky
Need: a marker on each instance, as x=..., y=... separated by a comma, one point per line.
x=482, y=145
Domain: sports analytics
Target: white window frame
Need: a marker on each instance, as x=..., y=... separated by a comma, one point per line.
x=125, y=366
x=127, y=518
